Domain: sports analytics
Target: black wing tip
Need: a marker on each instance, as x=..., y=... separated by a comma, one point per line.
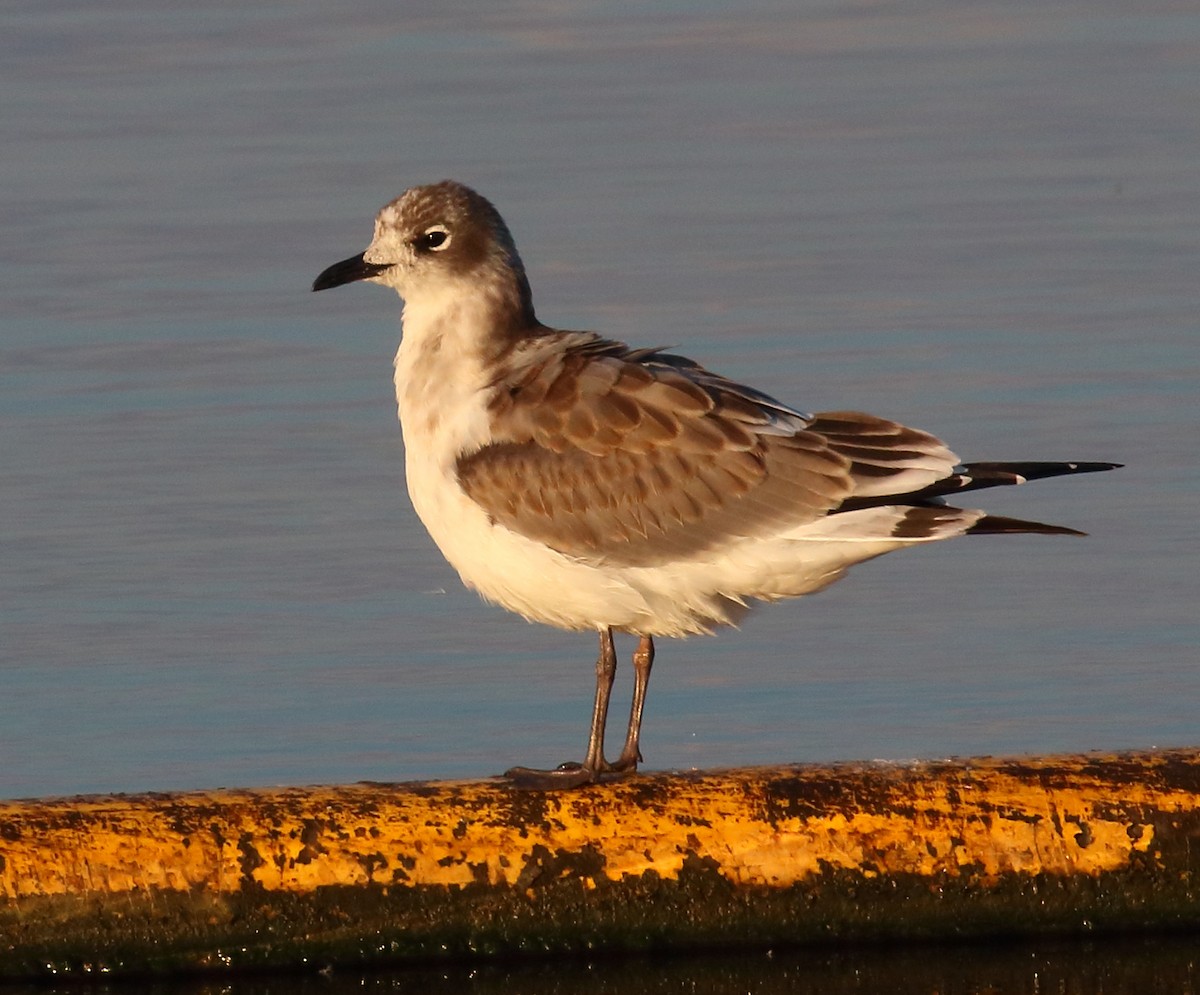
x=1039, y=470
x=1002, y=525
x=1094, y=467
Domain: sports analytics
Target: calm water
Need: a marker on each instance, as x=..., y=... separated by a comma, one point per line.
x=982, y=219
x=1132, y=967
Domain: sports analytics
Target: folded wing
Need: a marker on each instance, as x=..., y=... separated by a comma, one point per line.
x=638, y=457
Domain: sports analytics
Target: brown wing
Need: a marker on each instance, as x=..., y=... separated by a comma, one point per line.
x=636, y=458
x=886, y=458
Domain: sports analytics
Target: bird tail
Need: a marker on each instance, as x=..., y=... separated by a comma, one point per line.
x=927, y=516
x=977, y=477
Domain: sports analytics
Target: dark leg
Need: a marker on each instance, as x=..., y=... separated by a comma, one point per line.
x=571, y=775
x=643, y=660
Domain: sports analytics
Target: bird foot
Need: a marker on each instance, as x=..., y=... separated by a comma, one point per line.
x=568, y=775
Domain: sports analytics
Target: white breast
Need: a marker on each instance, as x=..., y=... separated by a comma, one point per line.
x=441, y=392
x=442, y=388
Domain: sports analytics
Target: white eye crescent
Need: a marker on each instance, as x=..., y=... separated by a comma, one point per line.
x=435, y=238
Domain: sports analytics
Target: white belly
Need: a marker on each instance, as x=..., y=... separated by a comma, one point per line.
x=441, y=389
x=676, y=599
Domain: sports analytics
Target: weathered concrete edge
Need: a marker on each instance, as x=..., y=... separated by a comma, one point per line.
x=387, y=873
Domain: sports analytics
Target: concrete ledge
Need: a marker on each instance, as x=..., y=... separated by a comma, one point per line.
x=386, y=873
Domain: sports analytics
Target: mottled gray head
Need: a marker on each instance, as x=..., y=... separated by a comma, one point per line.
x=440, y=238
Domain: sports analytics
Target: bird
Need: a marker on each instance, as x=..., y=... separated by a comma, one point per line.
x=590, y=485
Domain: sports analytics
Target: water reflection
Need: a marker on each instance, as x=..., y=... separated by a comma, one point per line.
x=1108, y=966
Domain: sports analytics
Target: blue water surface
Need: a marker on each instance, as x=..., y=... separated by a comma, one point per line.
x=980, y=219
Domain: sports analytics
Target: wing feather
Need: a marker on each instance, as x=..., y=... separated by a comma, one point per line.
x=637, y=457
x=885, y=457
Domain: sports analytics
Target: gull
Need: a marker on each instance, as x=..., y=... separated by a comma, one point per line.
x=589, y=485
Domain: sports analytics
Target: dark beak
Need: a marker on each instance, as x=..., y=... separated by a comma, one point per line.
x=347, y=271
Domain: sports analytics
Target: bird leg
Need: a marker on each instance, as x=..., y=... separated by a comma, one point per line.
x=606, y=672
x=631, y=753
x=571, y=775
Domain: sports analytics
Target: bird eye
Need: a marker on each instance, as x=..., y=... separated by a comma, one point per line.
x=435, y=238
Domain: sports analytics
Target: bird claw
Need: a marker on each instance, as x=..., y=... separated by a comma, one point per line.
x=568, y=775
x=571, y=774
